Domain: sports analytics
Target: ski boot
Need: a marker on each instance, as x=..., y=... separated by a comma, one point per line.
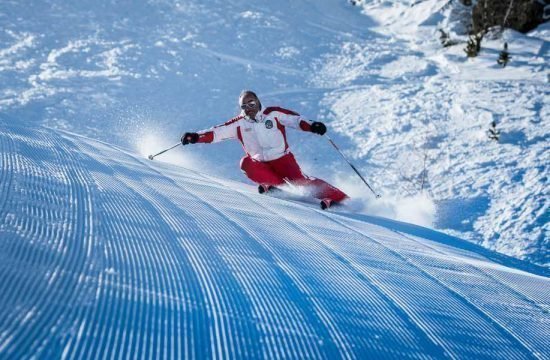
x=263, y=188
x=326, y=203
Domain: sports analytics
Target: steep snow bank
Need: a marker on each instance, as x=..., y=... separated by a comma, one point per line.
x=104, y=253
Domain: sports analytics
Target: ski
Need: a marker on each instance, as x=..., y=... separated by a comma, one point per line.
x=263, y=189
x=270, y=189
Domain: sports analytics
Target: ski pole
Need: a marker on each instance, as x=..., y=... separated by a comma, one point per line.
x=353, y=167
x=151, y=157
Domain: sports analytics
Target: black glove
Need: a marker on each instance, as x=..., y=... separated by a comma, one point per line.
x=189, y=138
x=318, y=128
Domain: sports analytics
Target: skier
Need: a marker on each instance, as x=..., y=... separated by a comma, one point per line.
x=268, y=161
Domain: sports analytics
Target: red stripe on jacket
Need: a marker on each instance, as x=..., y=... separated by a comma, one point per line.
x=282, y=129
x=240, y=137
x=270, y=109
x=235, y=119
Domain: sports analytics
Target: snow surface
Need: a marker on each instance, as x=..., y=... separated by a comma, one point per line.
x=107, y=254
x=405, y=110
x=423, y=112
x=104, y=253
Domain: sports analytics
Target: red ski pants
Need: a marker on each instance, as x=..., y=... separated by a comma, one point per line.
x=275, y=172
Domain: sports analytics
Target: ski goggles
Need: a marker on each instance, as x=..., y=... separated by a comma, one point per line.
x=249, y=105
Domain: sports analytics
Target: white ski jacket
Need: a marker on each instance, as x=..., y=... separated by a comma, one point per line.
x=263, y=139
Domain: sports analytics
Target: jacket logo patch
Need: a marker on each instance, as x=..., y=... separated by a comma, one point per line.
x=268, y=124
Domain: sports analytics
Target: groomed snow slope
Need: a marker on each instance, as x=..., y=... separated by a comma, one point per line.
x=105, y=254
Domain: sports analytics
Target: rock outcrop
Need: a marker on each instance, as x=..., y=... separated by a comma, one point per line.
x=520, y=15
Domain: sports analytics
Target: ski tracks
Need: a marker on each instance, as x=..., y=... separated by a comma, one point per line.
x=282, y=324
x=507, y=311
x=241, y=307
x=346, y=303
x=514, y=310
x=106, y=255
x=148, y=302
x=46, y=244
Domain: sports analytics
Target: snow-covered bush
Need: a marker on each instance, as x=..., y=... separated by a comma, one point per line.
x=445, y=39
x=504, y=56
x=493, y=133
x=474, y=45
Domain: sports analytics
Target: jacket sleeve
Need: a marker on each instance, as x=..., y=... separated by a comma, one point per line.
x=219, y=133
x=291, y=119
